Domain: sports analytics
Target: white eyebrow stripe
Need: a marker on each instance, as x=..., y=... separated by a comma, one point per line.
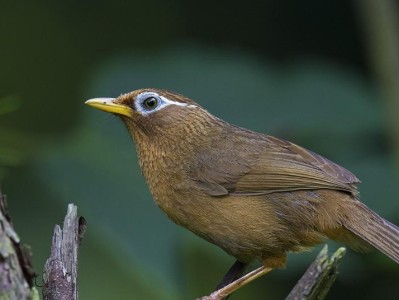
x=170, y=102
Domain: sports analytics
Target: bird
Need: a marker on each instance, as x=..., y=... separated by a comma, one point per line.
x=256, y=196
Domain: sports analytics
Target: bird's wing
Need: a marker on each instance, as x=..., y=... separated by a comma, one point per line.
x=249, y=165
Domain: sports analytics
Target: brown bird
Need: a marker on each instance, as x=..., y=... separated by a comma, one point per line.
x=255, y=196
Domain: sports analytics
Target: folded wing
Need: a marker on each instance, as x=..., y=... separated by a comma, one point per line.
x=260, y=164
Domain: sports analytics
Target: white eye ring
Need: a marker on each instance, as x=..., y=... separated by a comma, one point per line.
x=142, y=107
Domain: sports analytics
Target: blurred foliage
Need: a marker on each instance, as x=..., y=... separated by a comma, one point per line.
x=291, y=70
x=12, y=142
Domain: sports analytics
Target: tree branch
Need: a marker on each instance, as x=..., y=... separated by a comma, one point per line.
x=60, y=270
x=319, y=277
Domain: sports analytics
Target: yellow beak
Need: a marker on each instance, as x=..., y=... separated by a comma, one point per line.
x=109, y=105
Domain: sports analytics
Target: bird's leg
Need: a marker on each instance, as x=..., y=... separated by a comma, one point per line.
x=235, y=272
x=235, y=285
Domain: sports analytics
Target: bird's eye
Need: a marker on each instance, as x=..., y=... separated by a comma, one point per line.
x=150, y=103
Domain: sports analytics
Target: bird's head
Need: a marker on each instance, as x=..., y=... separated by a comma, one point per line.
x=154, y=113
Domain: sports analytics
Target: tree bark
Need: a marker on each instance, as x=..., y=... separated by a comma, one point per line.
x=16, y=272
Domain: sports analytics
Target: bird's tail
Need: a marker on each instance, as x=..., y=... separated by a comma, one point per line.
x=375, y=230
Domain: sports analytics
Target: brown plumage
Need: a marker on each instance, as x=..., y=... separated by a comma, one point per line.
x=255, y=196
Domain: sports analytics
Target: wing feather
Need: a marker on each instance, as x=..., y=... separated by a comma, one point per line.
x=264, y=164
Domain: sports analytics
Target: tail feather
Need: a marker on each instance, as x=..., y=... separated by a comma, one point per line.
x=378, y=232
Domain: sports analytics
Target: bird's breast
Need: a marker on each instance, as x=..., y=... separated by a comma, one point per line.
x=166, y=175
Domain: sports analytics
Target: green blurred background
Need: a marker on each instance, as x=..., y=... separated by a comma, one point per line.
x=316, y=73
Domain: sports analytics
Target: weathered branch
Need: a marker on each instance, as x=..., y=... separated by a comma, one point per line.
x=319, y=277
x=60, y=270
x=16, y=273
